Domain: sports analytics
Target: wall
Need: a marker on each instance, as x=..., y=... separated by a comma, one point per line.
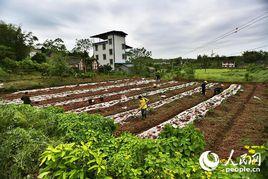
x=118, y=49
x=116, y=46
x=100, y=53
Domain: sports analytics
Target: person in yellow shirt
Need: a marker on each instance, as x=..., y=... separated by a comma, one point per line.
x=143, y=106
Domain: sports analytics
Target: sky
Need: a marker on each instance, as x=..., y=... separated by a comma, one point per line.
x=168, y=28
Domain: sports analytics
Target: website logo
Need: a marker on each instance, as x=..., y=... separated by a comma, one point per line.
x=209, y=161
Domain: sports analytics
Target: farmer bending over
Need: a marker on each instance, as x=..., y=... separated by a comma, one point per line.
x=143, y=106
x=203, y=86
x=158, y=77
x=26, y=99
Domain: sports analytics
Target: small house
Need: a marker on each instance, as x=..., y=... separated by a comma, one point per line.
x=110, y=48
x=228, y=64
x=125, y=67
x=94, y=65
x=77, y=63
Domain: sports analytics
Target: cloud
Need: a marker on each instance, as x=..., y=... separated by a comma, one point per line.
x=169, y=28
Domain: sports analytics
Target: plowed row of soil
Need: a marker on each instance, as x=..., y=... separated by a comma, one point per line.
x=115, y=97
x=101, y=92
x=241, y=120
x=133, y=104
x=162, y=114
x=52, y=91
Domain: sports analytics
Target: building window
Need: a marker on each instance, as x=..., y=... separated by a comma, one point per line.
x=110, y=51
x=110, y=41
x=123, y=46
x=124, y=56
x=111, y=61
x=104, y=56
x=103, y=46
x=96, y=47
x=97, y=57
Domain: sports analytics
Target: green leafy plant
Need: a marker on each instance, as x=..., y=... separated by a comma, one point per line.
x=73, y=161
x=19, y=152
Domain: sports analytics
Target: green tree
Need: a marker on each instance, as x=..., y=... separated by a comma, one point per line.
x=6, y=52
x=136, y=53
x=14, y=43
x=58, y=65
x=39, y=58
x=83, y=45
x=56, y=45
x=252, y=56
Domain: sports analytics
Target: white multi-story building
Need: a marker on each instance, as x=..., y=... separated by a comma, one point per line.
x=110, y=48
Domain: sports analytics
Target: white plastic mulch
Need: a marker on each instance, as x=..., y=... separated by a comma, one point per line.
x=70, y=86
x=196, y=112
x=114, y=102
x=67, y=93
x=82, y=99
x=121, y=117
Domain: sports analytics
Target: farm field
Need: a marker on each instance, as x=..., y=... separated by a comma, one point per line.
x=167, y=100
x=241, y=120
x=230, y=120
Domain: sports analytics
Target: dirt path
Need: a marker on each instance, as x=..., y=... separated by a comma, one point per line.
x=241, y=120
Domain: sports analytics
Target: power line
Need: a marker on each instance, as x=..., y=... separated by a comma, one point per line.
x=259, y=47
x=239, y=28
x=250, y=49
x=233, y=31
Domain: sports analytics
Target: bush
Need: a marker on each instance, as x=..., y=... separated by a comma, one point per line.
x=79, y=131
x=3, y=74
x=105, y=69
x=26, y=131
x=252, y=68
x=27, y=65
x=174, y=155
x=191, y=140
x=82, y=145
x=6, y=52
x=9, y=64
x=86, y=75
x=39, y=58
x=248, y=77
x=58, y=66
x=188, y=72
x=20, y=151
x=43, y=68
x=73, y=161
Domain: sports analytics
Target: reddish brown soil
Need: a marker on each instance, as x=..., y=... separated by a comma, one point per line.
x=241, y=120
x=163, y=113
x=114, y=97
x=74, y=96
x=133, y=104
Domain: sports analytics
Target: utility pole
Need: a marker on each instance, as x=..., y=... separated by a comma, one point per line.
x=212, y=53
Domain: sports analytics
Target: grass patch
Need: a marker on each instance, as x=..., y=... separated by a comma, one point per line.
x=231, y=75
